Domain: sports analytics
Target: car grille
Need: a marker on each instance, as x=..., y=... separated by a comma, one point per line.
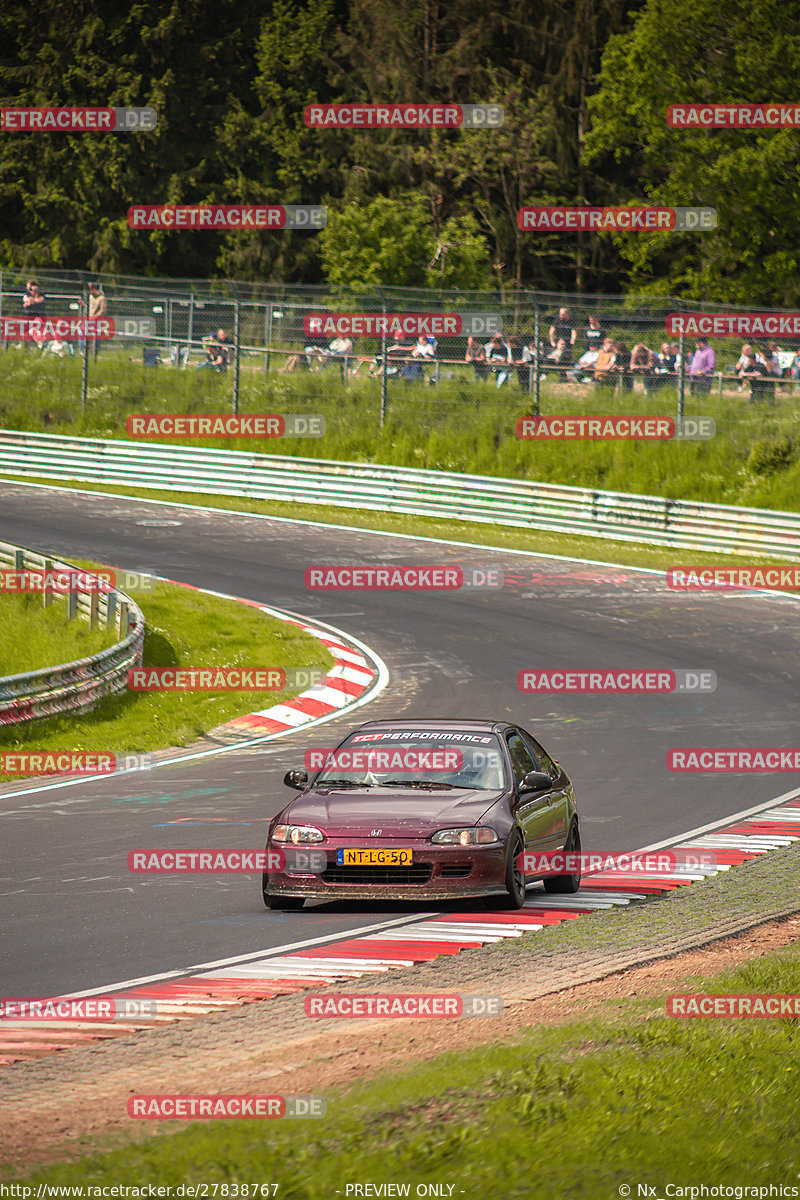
x=455, y=870
x=380, y=876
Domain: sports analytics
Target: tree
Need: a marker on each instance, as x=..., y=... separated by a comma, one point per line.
x=729, y=51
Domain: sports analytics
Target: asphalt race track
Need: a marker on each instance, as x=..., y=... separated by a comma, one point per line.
x=73, y=918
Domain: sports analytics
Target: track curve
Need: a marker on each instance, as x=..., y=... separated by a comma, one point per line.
x=75, y=919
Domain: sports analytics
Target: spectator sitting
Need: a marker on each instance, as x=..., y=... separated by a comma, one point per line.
x=794, y=369
x=561, y=357
x=750, y=368
x=476, y=354
x=594, y=335
x=315, y=350
x=498, y=356
x=583, y=371
x=644, y=363
x=216, y=358
x=400, y=351
x=667, y=359
x=423, y=349
x=769, y=357
x=624, y=367
x=563, y=327
x=701, y=368
x=340, y=349
x=605, y=367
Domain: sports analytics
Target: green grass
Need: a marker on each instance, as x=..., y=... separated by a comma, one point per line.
x=32, y=636
x=184, y=628
x=630, y=1097
x=462, y=425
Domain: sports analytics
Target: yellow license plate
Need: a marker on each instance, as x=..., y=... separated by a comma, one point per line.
x=374, y=858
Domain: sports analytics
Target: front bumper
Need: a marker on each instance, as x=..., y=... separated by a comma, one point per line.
x=436, y=873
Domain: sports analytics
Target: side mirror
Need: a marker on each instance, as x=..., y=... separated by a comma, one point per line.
x=296, y=780
x=535, y=781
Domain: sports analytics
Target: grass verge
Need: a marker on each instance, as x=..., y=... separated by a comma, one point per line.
x=32, y=636
x=185, y=629
x=462, y=425
x=627, y=1099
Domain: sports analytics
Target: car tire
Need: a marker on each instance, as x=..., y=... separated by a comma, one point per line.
x=515, y=880
x=567, y=883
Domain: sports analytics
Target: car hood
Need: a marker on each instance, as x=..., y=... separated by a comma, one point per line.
x=395, y=813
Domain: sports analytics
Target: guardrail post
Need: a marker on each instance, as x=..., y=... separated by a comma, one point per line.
x=537, y=383
x=47, y=597
x=123, y=619
x=84, y=374
x=19, y=560
x=94, y=608
x=111, y=608
x=384, y=364
x=72, y=605
x=236, y=329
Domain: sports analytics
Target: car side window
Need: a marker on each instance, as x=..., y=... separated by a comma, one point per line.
x=544, y=760
x=521, y=759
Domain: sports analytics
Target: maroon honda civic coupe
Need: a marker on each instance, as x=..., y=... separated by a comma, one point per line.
x=421, y=810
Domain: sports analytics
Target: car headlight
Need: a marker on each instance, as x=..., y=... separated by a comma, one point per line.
x=297, y=834
x=473, y=836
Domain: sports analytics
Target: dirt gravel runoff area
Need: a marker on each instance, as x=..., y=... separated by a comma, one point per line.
x=59, y=1108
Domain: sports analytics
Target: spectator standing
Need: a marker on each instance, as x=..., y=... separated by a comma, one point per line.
x=563, y=327
x=701, y=368
x=34, y=305
x=98, y=307
x=476, y=354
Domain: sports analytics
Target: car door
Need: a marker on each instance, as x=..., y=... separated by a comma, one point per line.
x=533, y=809
x=559, y=797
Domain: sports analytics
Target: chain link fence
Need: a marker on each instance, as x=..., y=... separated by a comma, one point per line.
x=441, y=358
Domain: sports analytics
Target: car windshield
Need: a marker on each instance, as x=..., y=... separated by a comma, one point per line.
x=423, y=762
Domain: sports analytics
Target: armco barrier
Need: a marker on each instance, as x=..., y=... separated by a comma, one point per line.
x=75, y=686
x=482, y=498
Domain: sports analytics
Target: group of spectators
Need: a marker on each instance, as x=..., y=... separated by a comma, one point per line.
x=405, y=356
x=602, y=359
x=34, y=304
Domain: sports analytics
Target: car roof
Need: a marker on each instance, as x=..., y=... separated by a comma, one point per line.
x=451, y=723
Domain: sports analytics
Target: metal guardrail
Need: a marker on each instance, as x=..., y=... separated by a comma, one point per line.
x=481, y=498
x=74, y=686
